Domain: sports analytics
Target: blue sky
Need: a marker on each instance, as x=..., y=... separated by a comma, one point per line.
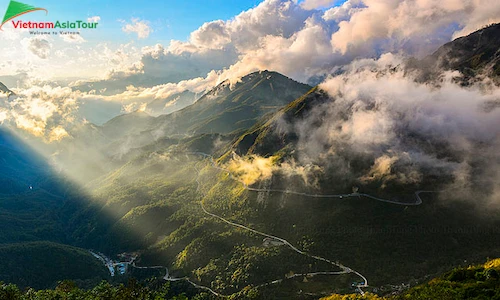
x=169, y=19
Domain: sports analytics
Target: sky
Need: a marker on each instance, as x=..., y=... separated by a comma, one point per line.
x=163, y=21
x=124, y=28
x=144, y=52
x=170, y=19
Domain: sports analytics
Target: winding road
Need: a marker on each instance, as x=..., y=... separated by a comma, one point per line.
x=344, y=269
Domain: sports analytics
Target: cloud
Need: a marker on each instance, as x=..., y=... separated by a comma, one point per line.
x=73, y=38
x=211, y=35
x=271, y=17
x=39, y=47
x=283, y=36
x=381, y=127
x=315, y=4
x=94, y=19
x=316, y=41
x=279, y=35
x=140, y=27
x=214, y=46
x=43, y=111
x=396, y=25
x=135, y=106
x=195, y=85
x=57, y=133
x=160, y=66
x=305, y=44
x=252, y=168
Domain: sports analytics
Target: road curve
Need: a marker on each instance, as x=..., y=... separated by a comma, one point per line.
x=417, y=202
x=344, y=269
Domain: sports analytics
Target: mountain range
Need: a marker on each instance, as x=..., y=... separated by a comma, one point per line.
x=166, y=187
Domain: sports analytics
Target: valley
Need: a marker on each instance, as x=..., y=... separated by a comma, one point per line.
x=366, y=185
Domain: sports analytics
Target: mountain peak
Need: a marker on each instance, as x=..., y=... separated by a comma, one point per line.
x=5, y=89
x=472, y=55
x=265, y=74
x=235, y=107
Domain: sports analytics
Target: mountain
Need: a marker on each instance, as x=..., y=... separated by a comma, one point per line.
x=171, y=104
x=477, y=53
x=222, y=110
x=265, y=139
x=127, y=124
x=31, y=193
x=473, y=55
x=229, y=108
x=34, y=201
x=5, y=90
x=99, y=111
x=466, y=282
x=42, y=264
x=156, y=194
x=479, y=281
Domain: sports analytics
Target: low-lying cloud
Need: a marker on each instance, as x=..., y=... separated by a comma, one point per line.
x=382, y=126
x=46, y=112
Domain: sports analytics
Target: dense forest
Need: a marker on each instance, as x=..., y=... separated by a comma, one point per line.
x=471, y=282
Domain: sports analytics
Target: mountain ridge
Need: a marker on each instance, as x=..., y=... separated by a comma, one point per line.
x=475, y=56
x=6, y=90
x=252, y=97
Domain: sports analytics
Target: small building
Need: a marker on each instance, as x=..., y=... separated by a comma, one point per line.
x=122, y=268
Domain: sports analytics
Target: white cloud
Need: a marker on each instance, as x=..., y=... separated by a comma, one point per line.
x=315, y=4
x=140, y=27
x=38, y=46
x=212, y=35
x=72, y=38
x=392, y=24
x=42, y=111
x=284, y=36
x=404, y=128
x=281, y=35
x=140, y=95
x=277, y=34
x=94, y=19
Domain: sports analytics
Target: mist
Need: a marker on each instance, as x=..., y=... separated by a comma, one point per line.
x=382, y=129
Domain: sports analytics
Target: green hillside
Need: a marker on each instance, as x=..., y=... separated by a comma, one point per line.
x=160, y=216
x=69, y=290
x=43, y=264
x=471, y=282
